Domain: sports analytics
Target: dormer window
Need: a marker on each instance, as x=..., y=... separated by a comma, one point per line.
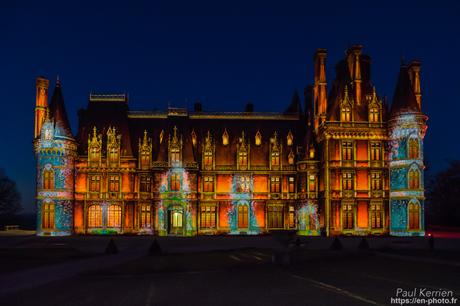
x=291, y=158
x=113, y=147
x=346, y=113
x=275, y=158
x=258, y=139
x=175, y=149
x=242, y=153
x=243, y=159
x=374, y=115
x=145, y=151
x=94, y=149
x=208, y=152
x=290, y=139
x=225, y=138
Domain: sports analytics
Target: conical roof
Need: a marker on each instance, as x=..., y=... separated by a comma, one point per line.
x=404, y=98
x=58, y=113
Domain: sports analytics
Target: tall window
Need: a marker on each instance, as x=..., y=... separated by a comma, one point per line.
x=414, y=179
x=175, y=156
x=275, y=216
x=414, y=216
x=376, y=181
x=208, y=159
x=413, y=148
x=175, y=182
x=373, y=114
x=208, y=216
x=113, y=155
x=275, y=160
x=375, y=150
x=376, y=216
x=346, y=113
x=145, y=159
x=48, y=215
x=114, y=183
x=208, y=184
x=347, y=150
x=95, y=216
x=348, y=216
x=95, y=183
x=176, y=219
x=347, y=181
x=291, y=184
x=291, y=217
x=146, y=216
x=311, y=183
x=48, y=179
x=243, y=159
x=94, y=156
x=243, y=216
x=114, y=216
x=275, y=184
x=145, y=183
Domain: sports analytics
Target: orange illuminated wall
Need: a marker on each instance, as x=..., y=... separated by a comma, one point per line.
x=361, y=150
x=361, y=180
x=223, y=213
x=334, y=150
x=259, y=208
x=80, y=184
x=78, y=215
x=260, y=183
x=362, y=215
x=224, y=183
x=125, y=182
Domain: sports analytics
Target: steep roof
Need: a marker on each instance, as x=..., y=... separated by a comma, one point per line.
x=404, y=98
x=59, y=114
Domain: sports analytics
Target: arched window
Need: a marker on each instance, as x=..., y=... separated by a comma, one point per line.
x=95, y=216
x=414, y=179
x=114, y=216
x=48, y=179
x=346, y=113
x=413, y=148
x=48, y=216
x=414, y=216
x=373, y=114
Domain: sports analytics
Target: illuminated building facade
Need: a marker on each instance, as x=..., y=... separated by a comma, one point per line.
x=341, y=163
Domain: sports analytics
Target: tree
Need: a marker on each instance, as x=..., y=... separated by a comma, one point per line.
x=443, y=196
x=10, y=198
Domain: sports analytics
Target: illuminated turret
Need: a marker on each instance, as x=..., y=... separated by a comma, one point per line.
x=320, y=88
x=55, y=150
x=41, y=103
x=407, y=127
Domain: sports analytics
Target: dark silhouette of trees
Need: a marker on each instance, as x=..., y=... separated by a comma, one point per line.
x=10, y=198
x=443, y=197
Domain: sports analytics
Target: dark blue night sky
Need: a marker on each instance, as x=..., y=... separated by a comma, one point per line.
x=221, y=53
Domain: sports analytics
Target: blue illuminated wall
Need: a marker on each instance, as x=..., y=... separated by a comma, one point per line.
x=406, y=201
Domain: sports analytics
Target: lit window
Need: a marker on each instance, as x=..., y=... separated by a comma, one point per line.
x=275, y=158
x=346, y=113
x=275, y=216
x=95, y=183
x=94, y=156
x=376, y=181
x=243, y=159
x=291, y=158
x=95, y=216
x=146, y=216
x=114, y=216
x=312, y=183
x=347, y=181
x=374, y=115
x=48, y=179
x=290, y=139
x=114, y=183
x=208, y=185
x=291, y=217
x=258, y=139
x=145, y=183
x=375, y=151
x=414, y=216
x=275, y=184
x=113, y=155
x=414, y=179
x=291, y=184
x=48, y=216
x=348, y=216
x=145, y=159
x=175, y=156
x=376, y=216
x=208, y=159
x=243, y=214
x=208, y=216
x=175, y=181
x=413, y=148
x=225, y=140
x=347, y=150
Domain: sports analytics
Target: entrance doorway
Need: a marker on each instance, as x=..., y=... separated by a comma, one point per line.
x=242, y=216
x=175, y=221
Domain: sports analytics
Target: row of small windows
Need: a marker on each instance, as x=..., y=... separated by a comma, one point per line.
x=376, y=180
x=346, y=114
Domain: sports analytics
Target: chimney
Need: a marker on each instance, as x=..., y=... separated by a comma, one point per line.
x=249, y=107
x=41, y=103
x=320, y=87
x=356, y=51
x=414, y=72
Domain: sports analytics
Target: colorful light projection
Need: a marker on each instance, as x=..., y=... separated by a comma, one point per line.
x=175, y=212
x=308, y=219
x=241, y=214
x=403, y=129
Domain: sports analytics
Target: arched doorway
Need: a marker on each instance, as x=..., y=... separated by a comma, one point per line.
x=175, y=220
x=414, y=216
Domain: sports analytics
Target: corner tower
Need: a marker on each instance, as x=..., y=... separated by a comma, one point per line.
x=55, y=151
x=407, y=127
